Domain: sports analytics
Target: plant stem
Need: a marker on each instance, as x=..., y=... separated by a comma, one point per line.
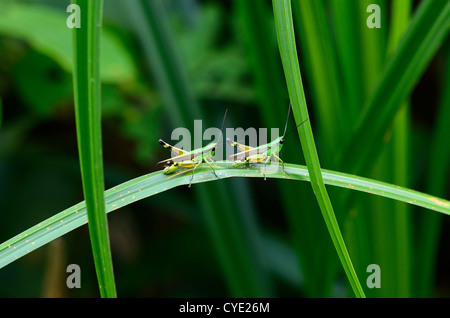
x=87, y=86
x=288, y=52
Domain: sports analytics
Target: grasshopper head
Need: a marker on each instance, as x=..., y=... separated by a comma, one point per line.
x=281, y=142
x=171, y=167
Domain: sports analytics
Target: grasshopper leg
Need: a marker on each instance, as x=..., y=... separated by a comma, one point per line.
x=282, y=163
x=239, y=163
x=265, y=163
x=209, y=164
x=192, y=176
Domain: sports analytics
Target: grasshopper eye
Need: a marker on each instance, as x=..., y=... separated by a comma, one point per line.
x=281, y=141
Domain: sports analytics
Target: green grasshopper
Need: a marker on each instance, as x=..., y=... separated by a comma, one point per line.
x=260, y=154
x=188, y=159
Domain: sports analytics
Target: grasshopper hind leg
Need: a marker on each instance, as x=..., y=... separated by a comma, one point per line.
x=265, y=163
x=209, y=164
x=192, y=176
x=282, y=163
x=239, y=163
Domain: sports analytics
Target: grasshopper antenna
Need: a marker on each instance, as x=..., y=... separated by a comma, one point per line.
x=287, y=119
x=223, y=122
x=296, y=127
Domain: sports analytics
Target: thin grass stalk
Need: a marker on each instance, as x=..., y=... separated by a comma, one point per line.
x=347, y=35
x=400, y=166
x=288, y=52
x=87, y=86
x=255, y=28
x=320, y=60
x=375, y=211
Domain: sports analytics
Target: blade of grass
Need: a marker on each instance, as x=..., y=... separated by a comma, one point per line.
x=319, y=58
x=360, y=52
x=87, y=95
x=366, y=219
x=399, y=166
x=156, y=182
x=256, y=28
x=288, y=52
x=377, y=217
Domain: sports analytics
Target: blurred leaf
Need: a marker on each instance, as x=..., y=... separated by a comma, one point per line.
x=45, y=87
x=46, y=30
x=420, y=42
x=141, y=126
x=241, y=263
x=217, y=72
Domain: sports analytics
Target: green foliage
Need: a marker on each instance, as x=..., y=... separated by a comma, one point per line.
x=377, y=107
x=45, y=30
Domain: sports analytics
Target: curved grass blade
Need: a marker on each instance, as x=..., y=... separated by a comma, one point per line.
x=288, y=52
x=87, y=85
x=151, y=184
x=255, y=24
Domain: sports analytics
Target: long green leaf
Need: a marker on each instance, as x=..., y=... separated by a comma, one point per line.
x=256, y=28
x=87, y=94
x=288, y=52
x=156, y=182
